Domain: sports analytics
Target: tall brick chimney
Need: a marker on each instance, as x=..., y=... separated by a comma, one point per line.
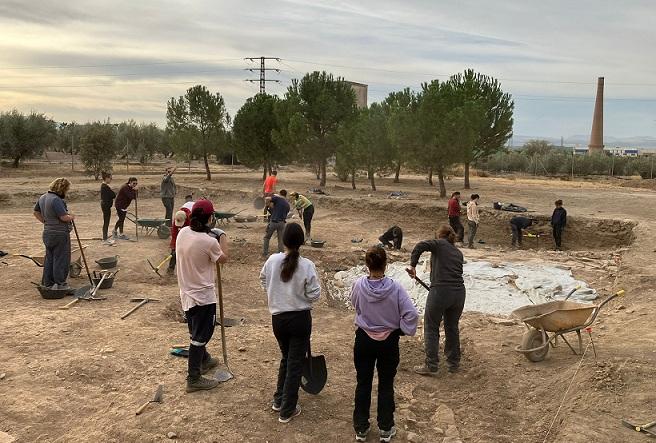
x=597, y=134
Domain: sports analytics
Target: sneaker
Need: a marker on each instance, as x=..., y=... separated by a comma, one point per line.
x=386, y=436
x=108, y=242
x=115, y=234
x=424, y=370
x=201, y=384
x=453, y=368
x=296, y=413
x=276, y=407
x=208, y=365
x=124, y=237
x=362, y=436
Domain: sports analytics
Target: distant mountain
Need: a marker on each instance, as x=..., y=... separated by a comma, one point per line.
x=582, y=140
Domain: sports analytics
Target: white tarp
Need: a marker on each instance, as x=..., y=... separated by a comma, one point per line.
x=491, y=288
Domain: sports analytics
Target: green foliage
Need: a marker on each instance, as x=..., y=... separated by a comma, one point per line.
x=24, y=136
x=68, y=137
x=252, y=132
x=98, y=148
x=310, y=115
x=537, y=147
x=401, y=109
x=643, y=166
x=197, y=123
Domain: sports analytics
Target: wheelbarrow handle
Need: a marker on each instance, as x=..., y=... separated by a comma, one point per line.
x=619, y=293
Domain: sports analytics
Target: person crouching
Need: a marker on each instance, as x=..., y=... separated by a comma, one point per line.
x=292, y=286
x=383, y=312
x=197, y=252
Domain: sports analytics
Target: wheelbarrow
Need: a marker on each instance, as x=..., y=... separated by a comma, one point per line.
x=224, y=217
x=74, y=270
x=558, y=317
x=151, y=225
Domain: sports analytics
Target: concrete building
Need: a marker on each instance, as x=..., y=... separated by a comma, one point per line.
x=597, y=133
x=360, y=90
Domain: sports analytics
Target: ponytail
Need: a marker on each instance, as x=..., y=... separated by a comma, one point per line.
x=293, y=237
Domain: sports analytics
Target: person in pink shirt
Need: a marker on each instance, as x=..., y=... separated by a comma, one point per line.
x=383, y=312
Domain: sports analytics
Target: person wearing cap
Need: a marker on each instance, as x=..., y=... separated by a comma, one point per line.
x=167, y=191
x=189, y=202
x=305, y=210
x=278, y=206
x=197, y=252
x=180, y=220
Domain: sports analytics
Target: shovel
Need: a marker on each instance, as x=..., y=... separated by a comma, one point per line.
x=315, y=373
x=84, y=259
x=157, y=398
x=222, y=374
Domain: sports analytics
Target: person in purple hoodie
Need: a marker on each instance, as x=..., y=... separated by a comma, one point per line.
x=383, y=312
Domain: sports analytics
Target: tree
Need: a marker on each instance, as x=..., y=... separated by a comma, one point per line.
x=437, y=121
x=310, y=116
x=252, y=133
x=98, y=148
x=537, y=147
x=198, y=118
x=373, y=149
x=488, y=111
x=401, y=110
x=150, y=139
x=25, y=136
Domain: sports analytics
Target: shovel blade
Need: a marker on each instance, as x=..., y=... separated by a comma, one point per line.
x=223, y=374
x=315, y=374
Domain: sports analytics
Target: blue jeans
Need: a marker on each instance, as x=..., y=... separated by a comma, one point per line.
x=58, y=257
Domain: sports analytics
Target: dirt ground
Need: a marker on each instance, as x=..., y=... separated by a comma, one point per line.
x=79, y=375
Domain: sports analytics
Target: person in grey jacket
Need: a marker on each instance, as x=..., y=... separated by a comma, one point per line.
x=446, y=299
x=167, y=192
x=292, y=286
x=51, y=210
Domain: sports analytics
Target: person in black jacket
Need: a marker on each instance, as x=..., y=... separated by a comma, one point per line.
x=126, y=194
x=393, y=237
x=107, y=197
x=558, y=222
x=517, y=224
x=446, y=299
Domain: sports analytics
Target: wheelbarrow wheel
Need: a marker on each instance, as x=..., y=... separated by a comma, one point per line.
x=163, y=231
x=534, y=339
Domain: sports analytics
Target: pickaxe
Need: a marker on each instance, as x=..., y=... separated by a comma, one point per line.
x=156, y=269
x=142, y=301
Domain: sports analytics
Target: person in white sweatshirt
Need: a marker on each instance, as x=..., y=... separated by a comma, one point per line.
x=472, y=219
x=292, y=286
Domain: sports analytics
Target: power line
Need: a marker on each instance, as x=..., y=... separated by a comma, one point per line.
x=263, y=69
x=119, y=64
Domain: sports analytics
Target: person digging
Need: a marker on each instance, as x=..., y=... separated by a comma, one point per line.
x=197, y=252
x=392, y=238
x=278, y=207
x=517, y=225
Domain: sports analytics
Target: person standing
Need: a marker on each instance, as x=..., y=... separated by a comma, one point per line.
x=392, y=238
x=180, y=220
x=305, y=210
x=454, y=216
x=292, y=286
x=107, y=197
x=197, y=252
x=517, y=224
x=269, y=187
x=51, y=210
x=189, y=202
x=278, y=206
x=446, y=299
x=167, y=191
x=472, y=219
x=558, y=222
x=383, y=312
x=126, y=194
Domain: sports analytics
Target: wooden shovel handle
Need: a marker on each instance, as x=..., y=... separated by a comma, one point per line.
x=142, y=407
x=143, y=302
x=68, y=305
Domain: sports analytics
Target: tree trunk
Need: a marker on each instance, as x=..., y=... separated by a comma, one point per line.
x=440, y=179
x=16, y=161
x=467, y=176
x=317, y=170
x=207, y=167
x=430, y=176
x=353, y=179
x=372, y=179
x=264, y=172
x=323, y=172
x=398, y=172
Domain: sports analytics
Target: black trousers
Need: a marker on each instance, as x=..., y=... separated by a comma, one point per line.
x=558, y=235
x=107, y=214
x=168, y=203
x=443, y=302
x=516, y=234
x=172, y=260
x=200, y=321
x=384, y=355
x=120, y=213
x=308, y=213
x=457, y=226
x=292, y=330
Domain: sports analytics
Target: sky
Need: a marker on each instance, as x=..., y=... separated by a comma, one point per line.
x=91, y=60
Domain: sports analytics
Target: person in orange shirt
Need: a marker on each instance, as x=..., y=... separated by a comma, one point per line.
x=270, y=186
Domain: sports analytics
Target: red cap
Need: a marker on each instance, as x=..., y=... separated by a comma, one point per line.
x=204, y=206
